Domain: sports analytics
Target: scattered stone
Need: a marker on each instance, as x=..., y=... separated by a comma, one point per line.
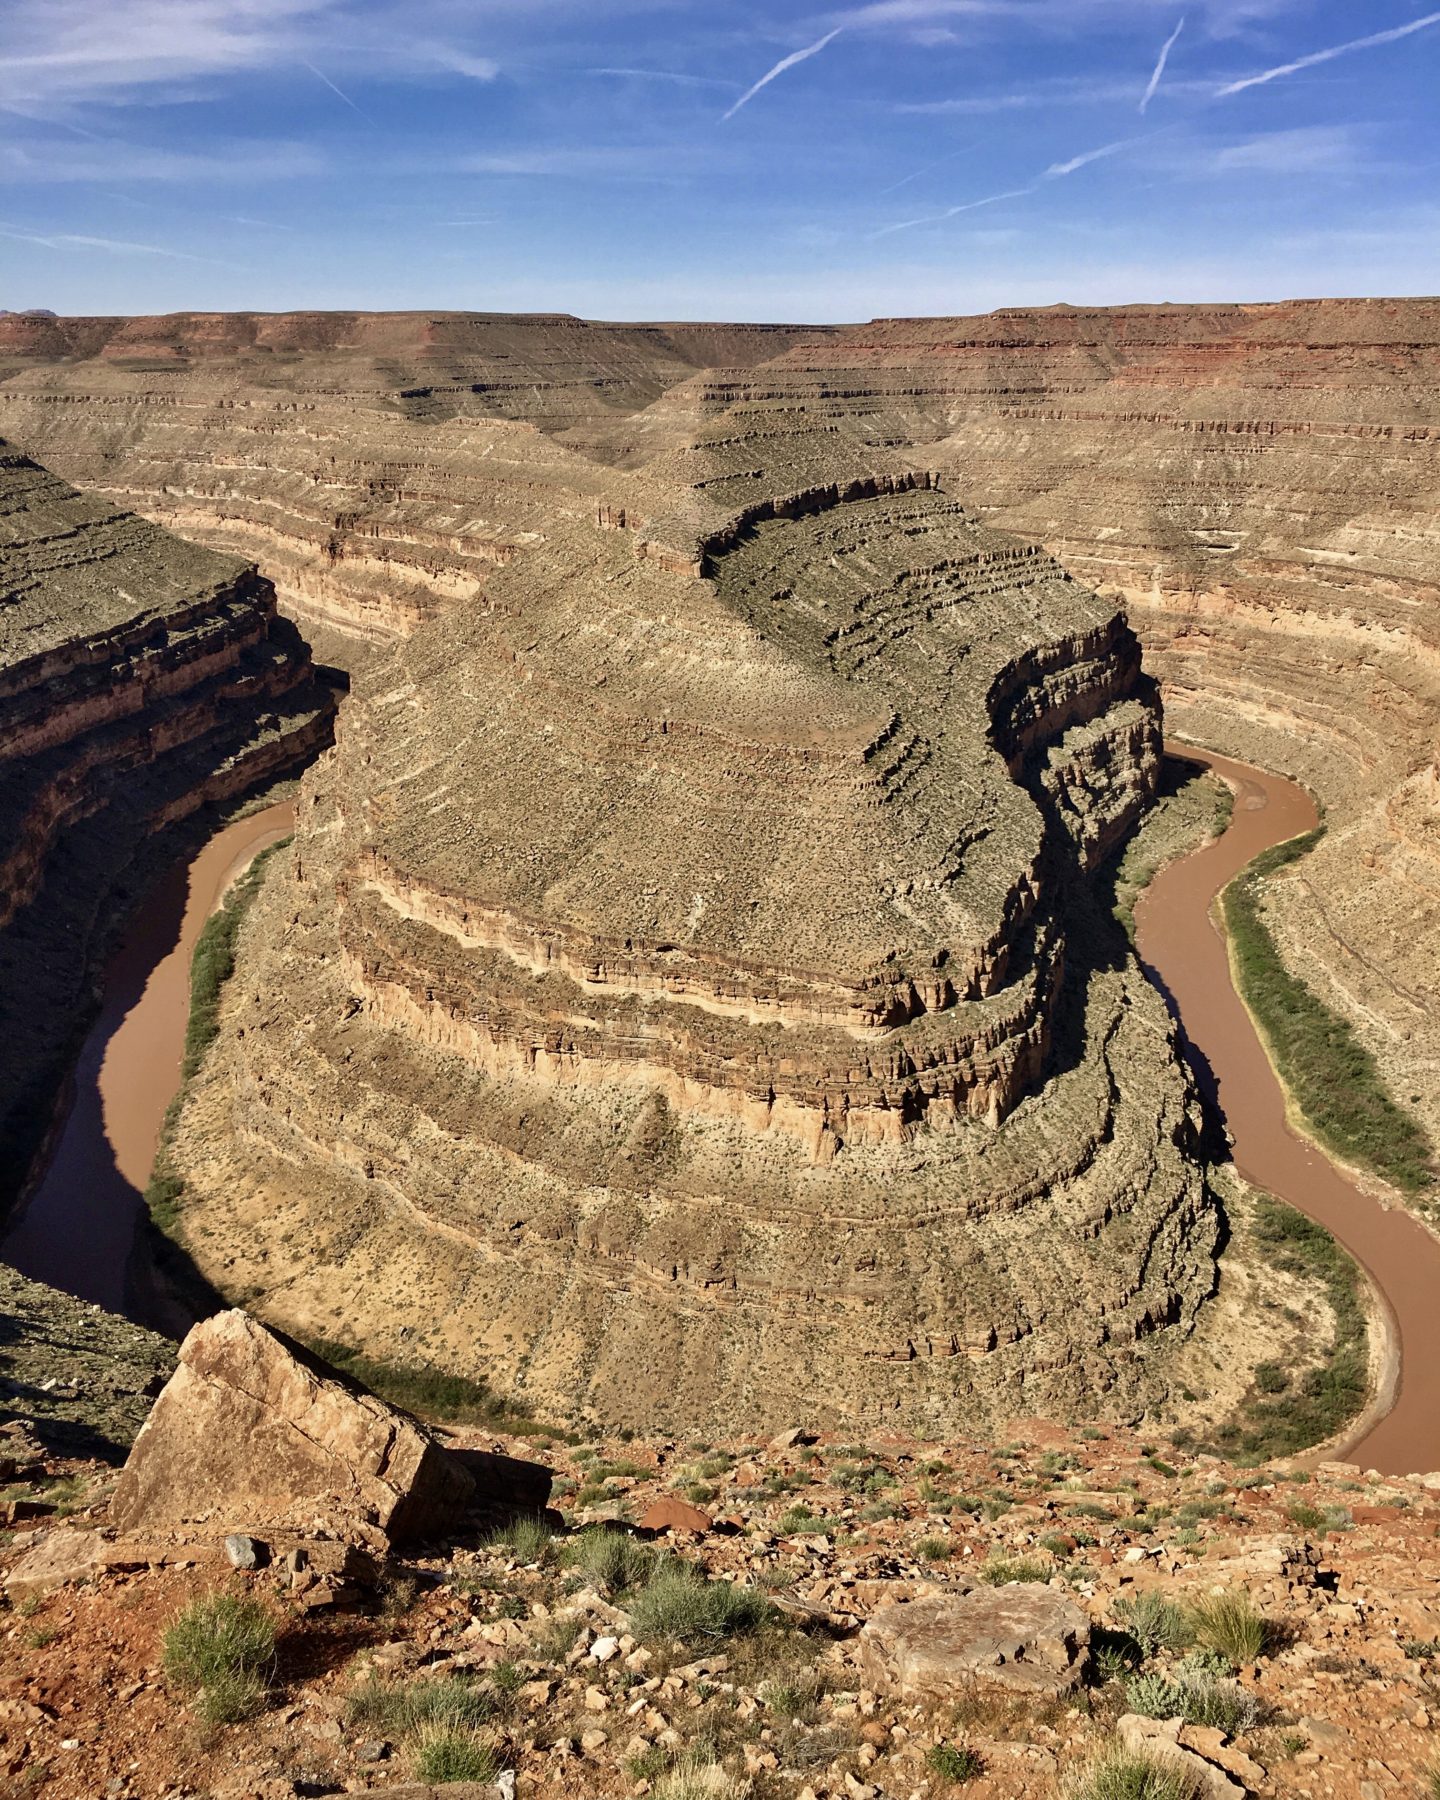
x=61, y=1556
x=244, y=1551
x=1159, y=1738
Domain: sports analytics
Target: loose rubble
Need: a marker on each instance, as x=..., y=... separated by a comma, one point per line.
x=1076, y=1557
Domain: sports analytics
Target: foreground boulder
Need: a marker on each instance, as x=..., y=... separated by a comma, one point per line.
x=250, y=1434
x=1025, y=1638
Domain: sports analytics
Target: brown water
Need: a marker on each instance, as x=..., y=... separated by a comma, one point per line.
x=77, y=1228
x=1185, y=954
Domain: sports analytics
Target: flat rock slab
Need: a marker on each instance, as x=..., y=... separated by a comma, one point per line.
x=250, y=1433
x=1025, y=1638
x=60, y=1557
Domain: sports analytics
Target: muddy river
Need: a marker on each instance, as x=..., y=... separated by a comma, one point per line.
x=77, y=1227
x=1185, y=954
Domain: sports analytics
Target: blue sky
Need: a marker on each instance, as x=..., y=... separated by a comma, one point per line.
x=669, y=159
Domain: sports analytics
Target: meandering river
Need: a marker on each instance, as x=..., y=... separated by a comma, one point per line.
x=1183, y=950
x=78, y=1228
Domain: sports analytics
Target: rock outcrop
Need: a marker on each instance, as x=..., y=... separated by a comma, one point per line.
x=141, y=679
x=250, y=1435
x=1022, y=1638
x=378, y=466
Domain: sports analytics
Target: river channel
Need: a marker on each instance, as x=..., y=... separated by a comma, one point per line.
x=1183, y=951
x=78, y=1227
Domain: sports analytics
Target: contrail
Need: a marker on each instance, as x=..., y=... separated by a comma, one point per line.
x=339, y=93
x=951, y=212
x=1159, y=74
x=1324, y=56
x=785, y=62
x=1056, y=172
x=915, y=174
x=1090, y=156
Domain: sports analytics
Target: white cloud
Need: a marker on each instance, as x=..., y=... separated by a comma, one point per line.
x=107, y=160
x=1308, y=150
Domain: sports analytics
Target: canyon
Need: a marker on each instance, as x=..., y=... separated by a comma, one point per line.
x=688, y=997
x=142, y=679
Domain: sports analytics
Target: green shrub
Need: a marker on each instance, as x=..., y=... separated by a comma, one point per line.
x=1121, y=1774
x=935, y=1549
x=954, y=1762
x=448, y=1753
x=221, y=1648
x=1154, y=1622
x=530, y=1539
x=1000, y=1571
x=1229, y=1624
x=613, y=1560
x=1196, y=1695
x=678, y=1602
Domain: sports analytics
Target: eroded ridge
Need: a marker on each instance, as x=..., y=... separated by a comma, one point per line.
x=661, y=1008
x=141, y=678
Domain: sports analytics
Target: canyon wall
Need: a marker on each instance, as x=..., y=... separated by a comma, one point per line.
x=377, y=466
x=141, y=678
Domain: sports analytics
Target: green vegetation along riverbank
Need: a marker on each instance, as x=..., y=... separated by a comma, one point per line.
x=1331, y=1077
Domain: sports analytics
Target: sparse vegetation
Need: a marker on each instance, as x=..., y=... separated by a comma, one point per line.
x=1332, y=1077
x=954, y=1762
x=221, y=1649
x=1285, y=1416
x=1000, y=1571
x=428, y=1392
x=407, y=1708
x=1228, y=1624
x=678, y=1602
x=1121, y=1774
x=697, y=1779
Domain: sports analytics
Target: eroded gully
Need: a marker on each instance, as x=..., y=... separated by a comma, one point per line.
x=77, y=1227
x=1184, y=952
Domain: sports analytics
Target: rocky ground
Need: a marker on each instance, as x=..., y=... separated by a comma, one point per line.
x=80, y=1378
x=550, y=1652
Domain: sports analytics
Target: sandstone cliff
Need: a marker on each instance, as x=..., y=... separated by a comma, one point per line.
x=141, y=678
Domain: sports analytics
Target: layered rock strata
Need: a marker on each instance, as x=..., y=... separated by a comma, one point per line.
x=141, y=678
x=378, y=466
x=1259, y=486
x=684, y=999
